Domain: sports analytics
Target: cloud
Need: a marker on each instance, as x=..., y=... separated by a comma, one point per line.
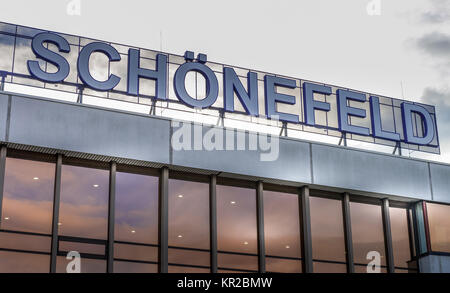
x=435, y=44
x=438, y=14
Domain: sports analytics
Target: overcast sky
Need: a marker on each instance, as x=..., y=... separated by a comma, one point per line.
x=403, y=53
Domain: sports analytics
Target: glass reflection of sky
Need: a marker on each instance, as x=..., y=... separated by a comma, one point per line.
x=84, y=202
x=28, y=196
x=327, y=229
x=400, y=236
x=188, y=214
x=367, y=231
x=136, y=218
x=236, y=219
x=281, y=224
x=439, y=221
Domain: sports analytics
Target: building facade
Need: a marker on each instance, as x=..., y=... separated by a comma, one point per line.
x=110, y=184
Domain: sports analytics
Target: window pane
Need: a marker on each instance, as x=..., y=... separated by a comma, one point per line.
x=25, y=242
x=279, y=265
x=135, y=252
x=400, y=237
x=236, y=219
x=324, y=267
x=84, y=202
x=136, y=210
x=188, y=214
x=363, y=269
x=281, y=224
x=327, y=229
x=188, y=257
x=367, y=231
x=237, y=262
x=86, y=265
x=82, y=247
x=134, y=267
x=15, y=262
x=439, y=222
x=182, y=270
x=28, y=196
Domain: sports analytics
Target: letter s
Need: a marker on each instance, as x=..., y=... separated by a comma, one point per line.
x=37, y=45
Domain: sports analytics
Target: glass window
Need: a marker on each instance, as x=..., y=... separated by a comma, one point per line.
x=17, y=262
x=400, y=236
x=86, y=265
x=327, y=231
x=236, y=227
x=84, y=202
x=367, y=232
x=328, y=267
x=136, y=209
x=28, y=196
x=134, y=267
x=189, y=222
x=282, y=231
x=439, y=223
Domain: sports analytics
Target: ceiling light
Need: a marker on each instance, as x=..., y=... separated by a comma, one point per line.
x=6, y=218
x=133, y=231
x=59, y=224
x=287, y=246
x=35, y=178
x=233, y=202
x=245, y=243
x=95, y=185
x=180, y=236
x=180, y=196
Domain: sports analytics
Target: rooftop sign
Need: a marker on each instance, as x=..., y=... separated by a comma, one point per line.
x=298, y=104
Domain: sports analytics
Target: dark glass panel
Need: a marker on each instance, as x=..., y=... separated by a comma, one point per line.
x=236, y=219
x=87, y=265
x=279, y=265
x=327, y=229
x=135, y=252
x=439, y=222
x=400, y=237
x=134, y=267
x=28, y=196
x=188, y=257
x=15, y=262
x=182, y=270
x=188, y=214
x=238, y=262
x=324, y=267
x=232, y=272
x=25, y=242
x=367, y=231
x=136, y=210
x=281, y=224
x=82, y=247
x=84, y=202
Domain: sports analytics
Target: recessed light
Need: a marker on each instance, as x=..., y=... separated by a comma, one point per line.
x=180, y=196
x=6, y=218
x=245, y=243
x=95, y=185
x=59, y=224
x=287, y=246
x=35, y=178
x=180, y=236
x=133, y=231
x=233, y=202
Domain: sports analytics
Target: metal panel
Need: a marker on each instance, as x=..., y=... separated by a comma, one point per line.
x=440, y=175
x=305, y=220
x=87, y=129
x=55, y=220
x=370, y=172
x=292, y=163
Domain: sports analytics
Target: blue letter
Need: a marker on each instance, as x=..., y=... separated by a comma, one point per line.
x=344, y=111
x=377, y=128
x=212, y=85
x=83, y=66
x=37, y=45
x=310, y=104
x=428, y=125
x=135, y=72
x=232, y=84
x=272, y=97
